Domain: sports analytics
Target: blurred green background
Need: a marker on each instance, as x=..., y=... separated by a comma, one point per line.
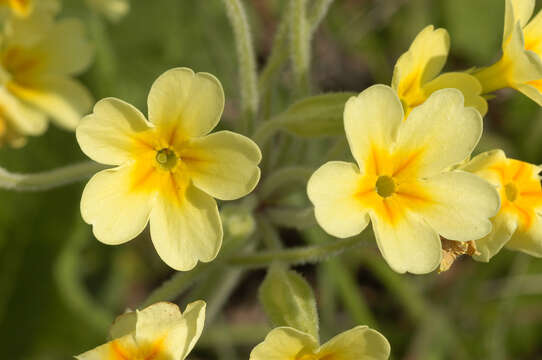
x=60, y=288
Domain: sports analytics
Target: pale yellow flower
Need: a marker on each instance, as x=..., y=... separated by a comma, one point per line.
x=518, y=225
x=417, y=72
x=158, y=332
x=402, y=181
x=113, y=10
x=38, y=59
x=168, y=170
x=25, y=8
x=520, y=66
x=359, y=343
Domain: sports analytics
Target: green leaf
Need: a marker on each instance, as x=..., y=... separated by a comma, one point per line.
x=289, y=300
x=318, y=115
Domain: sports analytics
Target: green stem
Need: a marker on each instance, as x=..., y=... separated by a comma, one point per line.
x=279, y=51
x=496, y=336
x=181, y=281
x=48, y=179
x=353, y=299
x=266, y=130
x=240, y=334
x=415, y=305
x=317, y=13
x=67, y=276
x=282, y=177
x=105, y=70
x=178, y=283
x=294, y=256
x=300, y=45
x=247, y=62
x=292, y=217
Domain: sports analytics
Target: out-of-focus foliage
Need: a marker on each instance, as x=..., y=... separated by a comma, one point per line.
x=52, y=271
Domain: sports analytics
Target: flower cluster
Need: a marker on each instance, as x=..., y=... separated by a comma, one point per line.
x=413, y=174
x=39, y=56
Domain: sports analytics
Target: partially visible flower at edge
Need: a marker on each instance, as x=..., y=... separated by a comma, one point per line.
x=25, y=8
x=416, y=74
x=38, y=60
x=359, y=343
x=169, y=170
x=113, y=10
x=520, y=66
x=402, y=182
x=518, y=225
x=159, y=331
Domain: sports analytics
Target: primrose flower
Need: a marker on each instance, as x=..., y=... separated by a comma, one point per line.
x=359, y=343
x=518, y=225
x=25, y=8
x=167, y=170
x=113, y=10
x=416, y=74
x=402, y=181
x=520, y=66
x=159, y=331
x=38, y=59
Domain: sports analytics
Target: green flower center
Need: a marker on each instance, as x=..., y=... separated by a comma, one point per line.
x=166, y=159
x=511, y=191
x=385, y=186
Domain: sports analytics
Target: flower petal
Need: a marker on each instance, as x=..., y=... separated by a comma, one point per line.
x=99, y=353
x=332, y=189
x=284, y=343
x=355, y=344
x=184, y=104
x=194, y=314
x=186, y=230
x=371, y=120
x=223, y=164
x=123, y=325
x=67, y=36
x=62, y=98
x=516, y=11
x=481, y=165
x=504, y=227
x=461, y=205
x=116, y=213
x=533, y=90
x=409, y=244
x=423, y=61
x=108, y=135
x=158, y=321
x=468, y=85
x=22, y=118
x=526, y=65
x=442, y=131
x=528, y=240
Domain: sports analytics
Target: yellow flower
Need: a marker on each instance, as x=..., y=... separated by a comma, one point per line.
x=416, y=74
x=518, y=225
x=158, y=332
x=520, y=66
x=18, y=121
x=25, y=8
x=38, y=59
x=402, y=181
x=359, y=343
x=114, y=10
x=168, y=170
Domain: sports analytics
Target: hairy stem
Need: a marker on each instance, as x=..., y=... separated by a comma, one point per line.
x=300, y=45
x=48, y=179
x=247, y=62
x=293, y=256
x=282, y=177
